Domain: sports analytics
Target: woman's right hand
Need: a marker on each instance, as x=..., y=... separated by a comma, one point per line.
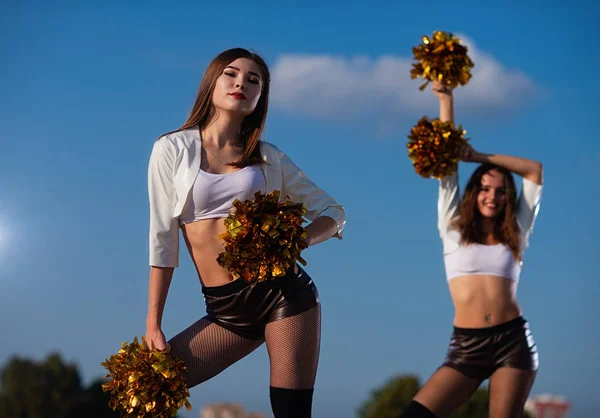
x=444, y=94
x=441, y=91
x=155, y=339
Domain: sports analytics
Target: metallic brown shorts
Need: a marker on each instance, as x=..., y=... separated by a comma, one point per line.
x=478, y=352
x=246, y=309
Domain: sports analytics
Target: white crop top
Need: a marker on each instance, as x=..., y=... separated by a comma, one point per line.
x=212, y=195
x=480, y=259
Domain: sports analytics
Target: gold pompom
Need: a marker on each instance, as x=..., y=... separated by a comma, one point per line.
x=264, y=237
x=433, y=147
x=146, y=383
x=442, y=58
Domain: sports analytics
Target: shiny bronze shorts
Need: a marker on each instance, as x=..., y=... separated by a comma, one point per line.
x=478, y=352
x=246, y=309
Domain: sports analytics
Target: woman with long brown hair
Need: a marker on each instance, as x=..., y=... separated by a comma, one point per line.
x=194, y=175
x=484, y=237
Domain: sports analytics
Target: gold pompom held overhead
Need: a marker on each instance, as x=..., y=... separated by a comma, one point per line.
x=145, y=383
x=264, y=237
x=433, y=147
x=443, y=58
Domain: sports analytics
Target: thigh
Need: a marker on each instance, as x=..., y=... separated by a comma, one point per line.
x=509, y=389
x=293, y=344
x=207, y=349
x=446, y=391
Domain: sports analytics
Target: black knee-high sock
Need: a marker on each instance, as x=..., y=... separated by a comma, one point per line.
x=416, y=410
x=291, y=403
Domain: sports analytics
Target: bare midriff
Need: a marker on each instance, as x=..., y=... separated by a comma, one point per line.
x=204, y=245
x=482, y=301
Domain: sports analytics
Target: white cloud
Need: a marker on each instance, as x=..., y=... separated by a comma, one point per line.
x=328, y=86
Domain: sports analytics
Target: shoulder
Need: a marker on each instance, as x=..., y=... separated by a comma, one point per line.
x=531, y=188
x=454, y=234
x=175, y=143
x=178, y=140
x=270, y=152
x=451, y=242
x=268, y=147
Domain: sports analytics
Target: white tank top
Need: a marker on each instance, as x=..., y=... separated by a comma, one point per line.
x=481, y=259
x=212, y=195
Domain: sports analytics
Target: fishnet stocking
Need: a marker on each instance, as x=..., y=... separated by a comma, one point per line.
x=293, y=344
x=207, y=349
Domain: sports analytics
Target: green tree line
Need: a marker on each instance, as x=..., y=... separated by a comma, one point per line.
x=50, y=388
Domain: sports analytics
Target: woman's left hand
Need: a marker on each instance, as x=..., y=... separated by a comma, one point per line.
x=468, y=154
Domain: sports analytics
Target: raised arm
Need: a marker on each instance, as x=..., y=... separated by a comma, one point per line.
x=449, y=194
x=528, y=169
x=444, y=94
x=531, y=171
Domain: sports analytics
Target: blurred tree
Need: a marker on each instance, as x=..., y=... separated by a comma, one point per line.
x=49, y=389
x=388, y=400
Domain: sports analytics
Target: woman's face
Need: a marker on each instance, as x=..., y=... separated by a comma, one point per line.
x=491, y=199
x=239, y=87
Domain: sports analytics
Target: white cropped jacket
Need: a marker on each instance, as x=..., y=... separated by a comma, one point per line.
x=172, y=170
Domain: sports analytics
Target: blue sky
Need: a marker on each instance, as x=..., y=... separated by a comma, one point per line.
x=87, y=89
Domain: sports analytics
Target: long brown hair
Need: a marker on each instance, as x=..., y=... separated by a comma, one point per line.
x=253, y=124
x=506, y=228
